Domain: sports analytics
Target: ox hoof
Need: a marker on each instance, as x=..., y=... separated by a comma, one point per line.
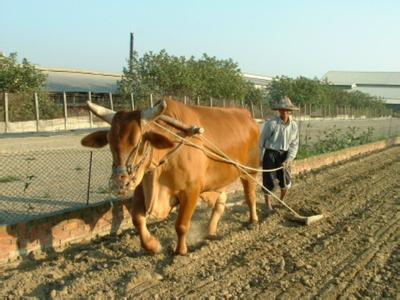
x=212, y=237
x=252, y=225
x=152, y=246
x=181, y=252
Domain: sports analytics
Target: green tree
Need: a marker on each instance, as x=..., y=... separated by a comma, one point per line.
x=22, y=80
x=164, y=74
x=15, y=77
x=303, y=90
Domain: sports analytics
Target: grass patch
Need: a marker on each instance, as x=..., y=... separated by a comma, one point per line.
x=7, y=179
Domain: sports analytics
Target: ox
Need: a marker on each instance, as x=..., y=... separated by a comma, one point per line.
x=161, y=171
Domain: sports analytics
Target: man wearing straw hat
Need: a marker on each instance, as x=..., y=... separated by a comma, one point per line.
x=279, y=142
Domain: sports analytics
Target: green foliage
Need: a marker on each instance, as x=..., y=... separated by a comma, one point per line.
x=7, y=179
x=164, y=74
x=15, y=77
x=22, y=80
x=313, y=91
x=335, y=139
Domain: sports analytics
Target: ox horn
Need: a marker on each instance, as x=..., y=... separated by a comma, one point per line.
x=154, y=112
x=103, y=113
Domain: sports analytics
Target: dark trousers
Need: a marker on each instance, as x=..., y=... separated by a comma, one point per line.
x=273, y=159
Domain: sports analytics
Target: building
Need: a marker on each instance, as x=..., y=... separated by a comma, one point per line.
x=78, y=81
x=385, y=85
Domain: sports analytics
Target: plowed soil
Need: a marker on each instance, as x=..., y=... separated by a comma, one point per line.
x=353, y=253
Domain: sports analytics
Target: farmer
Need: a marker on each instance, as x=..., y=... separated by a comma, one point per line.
x=279, y=142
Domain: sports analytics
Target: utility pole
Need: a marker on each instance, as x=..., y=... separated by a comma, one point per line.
x=131, y=53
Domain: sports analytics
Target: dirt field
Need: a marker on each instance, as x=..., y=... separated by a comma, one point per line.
x=353, y=253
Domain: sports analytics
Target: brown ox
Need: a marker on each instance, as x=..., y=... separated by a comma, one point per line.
x=171, y=172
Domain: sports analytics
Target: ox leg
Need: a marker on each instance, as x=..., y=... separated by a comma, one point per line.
x=149, y=242
x=187, y=205
x=249, y=188
x=218, y=210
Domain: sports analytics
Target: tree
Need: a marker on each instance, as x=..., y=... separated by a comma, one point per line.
x=15, y=77
x=165, y=74
x=303, y=90
x=23, y=80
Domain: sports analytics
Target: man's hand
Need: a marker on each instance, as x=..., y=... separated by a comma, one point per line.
x=287, y=164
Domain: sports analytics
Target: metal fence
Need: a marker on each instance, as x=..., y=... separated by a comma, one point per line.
x=66, y=111
x=38, y=183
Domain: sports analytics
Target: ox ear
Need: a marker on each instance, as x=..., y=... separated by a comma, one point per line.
x=157, y=140
x=96, y=139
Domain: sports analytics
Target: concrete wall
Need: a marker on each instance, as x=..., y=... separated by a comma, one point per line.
x=57, y=232
x=52, y=125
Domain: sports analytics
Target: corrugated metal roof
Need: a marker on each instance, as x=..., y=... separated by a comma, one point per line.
x=371, y=78
x=64, y=80
x=61, y=80
x=385, y=85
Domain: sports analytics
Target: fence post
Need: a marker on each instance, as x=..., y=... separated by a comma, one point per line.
x=36, y=111
x=184, y=99
x=90, y=113
x=223, y=102
x=111, y=101
x=6, y=112
x=65, y=110
x=252, y=109
x=151, y=100
x=132, y=102
x=211, y=102
x=198, y=101
x=89, y=178
x=261, y=110
x=241, y=102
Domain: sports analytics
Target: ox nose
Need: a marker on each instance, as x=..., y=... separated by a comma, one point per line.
x=123, y=180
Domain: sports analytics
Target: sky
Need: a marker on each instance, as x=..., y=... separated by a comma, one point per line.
x=272, y=38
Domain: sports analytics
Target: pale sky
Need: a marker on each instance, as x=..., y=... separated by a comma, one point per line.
x=270, y=38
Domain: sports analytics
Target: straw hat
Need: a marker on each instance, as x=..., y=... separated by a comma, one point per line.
x=285, y=103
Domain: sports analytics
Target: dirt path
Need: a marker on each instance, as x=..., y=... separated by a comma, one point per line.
x=353, y=253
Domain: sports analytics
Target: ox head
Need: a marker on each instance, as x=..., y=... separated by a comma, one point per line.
x=131, y=142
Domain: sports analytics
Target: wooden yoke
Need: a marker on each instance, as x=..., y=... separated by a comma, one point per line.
x=189, y=130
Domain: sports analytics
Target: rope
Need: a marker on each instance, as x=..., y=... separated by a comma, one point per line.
x=227, y=159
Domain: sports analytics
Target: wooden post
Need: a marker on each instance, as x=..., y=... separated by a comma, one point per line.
x=36, y=111
x=6, y=120
x=223, y=102
x=90, y=113
x=261, y=110
x=184, y=99
x=65, y=110
x=132, y=102
x=211, y=102
x=151, y=100
x=252, y=109
x=111, y=101
x=241, y=102
x=198, y=101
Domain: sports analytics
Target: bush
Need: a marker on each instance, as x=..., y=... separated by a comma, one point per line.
x=334, y=139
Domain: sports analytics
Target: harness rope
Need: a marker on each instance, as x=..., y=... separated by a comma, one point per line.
x=227, y=159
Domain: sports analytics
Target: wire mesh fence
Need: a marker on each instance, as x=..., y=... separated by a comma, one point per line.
x=38, y=183
x=34, y=184
x=66, y=111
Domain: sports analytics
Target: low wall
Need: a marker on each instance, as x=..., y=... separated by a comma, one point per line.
x=55, y=233
x=51, y=125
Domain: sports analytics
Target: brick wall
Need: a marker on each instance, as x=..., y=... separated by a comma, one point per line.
x=57, y=232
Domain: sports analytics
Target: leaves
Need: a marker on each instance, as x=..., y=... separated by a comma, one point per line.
x=15, y=77
x=164, y=74
x=303, y=90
